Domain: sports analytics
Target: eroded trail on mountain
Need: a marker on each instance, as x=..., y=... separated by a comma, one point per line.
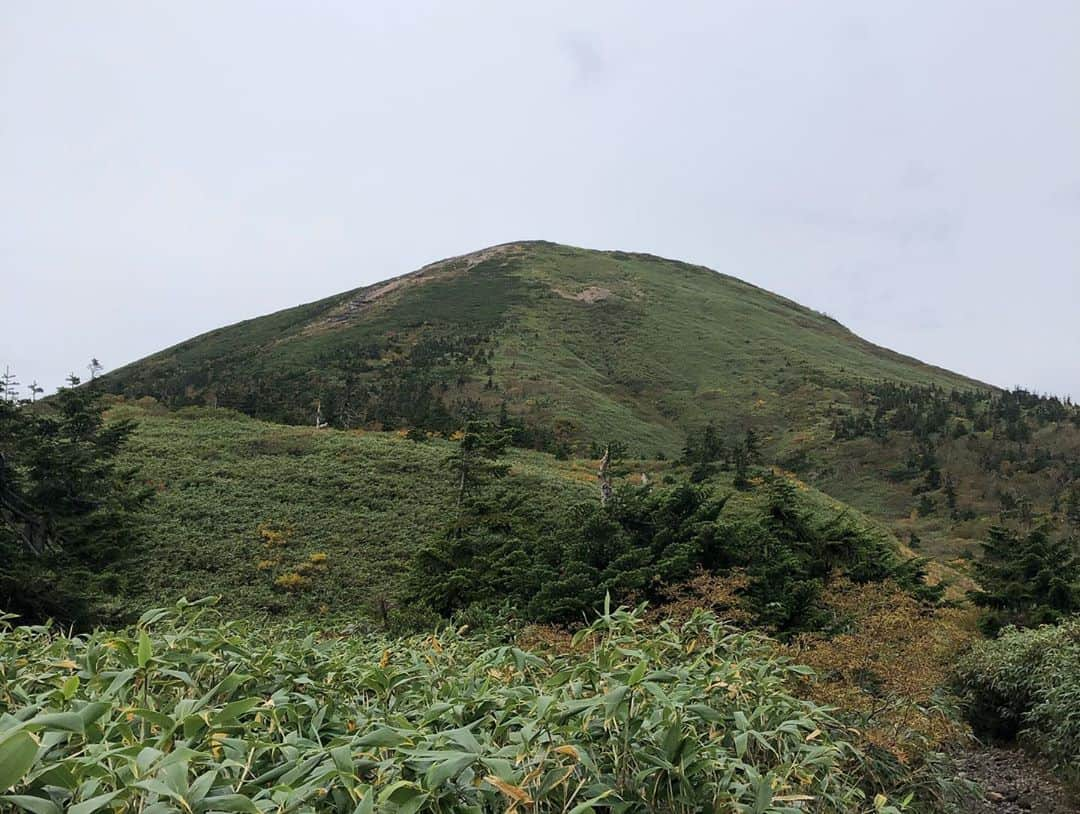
x=1013, y=782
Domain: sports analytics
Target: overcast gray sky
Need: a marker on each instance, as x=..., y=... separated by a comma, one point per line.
x=911, y=168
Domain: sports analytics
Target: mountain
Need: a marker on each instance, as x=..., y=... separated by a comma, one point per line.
x=581, y=345
x=574, y=349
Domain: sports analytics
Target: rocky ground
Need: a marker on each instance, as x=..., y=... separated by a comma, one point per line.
x=1014, y=783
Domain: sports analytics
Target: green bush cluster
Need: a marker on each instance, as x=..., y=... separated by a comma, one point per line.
x=184, y=713
x=1026, y=683
x=645, y=540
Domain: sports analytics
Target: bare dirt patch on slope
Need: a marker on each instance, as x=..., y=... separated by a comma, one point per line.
x=593, y=293
x=366, y=298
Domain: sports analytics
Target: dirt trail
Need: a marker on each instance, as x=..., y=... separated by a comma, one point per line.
x=1013, y=782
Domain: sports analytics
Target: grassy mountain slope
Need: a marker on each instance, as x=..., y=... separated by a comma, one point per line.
x=575, y=346
x=584, y=345
x=300, y=521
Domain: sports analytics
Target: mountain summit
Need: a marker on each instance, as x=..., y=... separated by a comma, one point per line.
x=577, y=345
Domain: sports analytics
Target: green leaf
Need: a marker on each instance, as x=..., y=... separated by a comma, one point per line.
x=35, y=805
x=763, y=799
x=590, y=805
x=201, y=786
x=153, y=615
x=614, y=698
x=342, y=757
x=501, y=768
x=17, y=754
x=406, y=795
x=118, y=682
x=64, y=721
x=146, y=649
x=230, y=712
x=93, y=804
x=439, y=773
x=92, y=712
x=366, y=804
x=156, y=718
x=706, y=713
x=383, y=736
x=740, y=744
x=465, y=739
x=673, y=741
x=228, y=802
x=71, y=686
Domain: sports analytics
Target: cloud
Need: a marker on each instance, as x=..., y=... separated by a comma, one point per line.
x=585, y=57
x=903, y=228
x=1066, y=197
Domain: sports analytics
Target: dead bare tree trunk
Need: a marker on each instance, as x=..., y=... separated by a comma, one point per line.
x=605, y=478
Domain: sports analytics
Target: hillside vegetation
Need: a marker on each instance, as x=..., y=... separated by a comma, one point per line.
x=304, y=522
x=279, y=519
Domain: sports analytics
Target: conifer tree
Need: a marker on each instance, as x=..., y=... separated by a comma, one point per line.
x=752, y=446
x=68, y=512
x=1027, y=579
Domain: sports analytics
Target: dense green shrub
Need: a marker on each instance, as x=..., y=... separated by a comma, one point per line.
x=648, y=538
x=1026, y=683
x=182, y=713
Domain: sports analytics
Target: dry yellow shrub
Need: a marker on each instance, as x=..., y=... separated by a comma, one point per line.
x=721, y=594
x=291, y=582
x=888, y=664
x=273, y=537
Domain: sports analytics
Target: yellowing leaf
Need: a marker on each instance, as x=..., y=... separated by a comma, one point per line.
x=215, y=742
x=513, y=792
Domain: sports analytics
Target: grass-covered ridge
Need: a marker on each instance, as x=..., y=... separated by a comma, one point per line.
x=304, y=522
x=295, y=520
x=185, y=713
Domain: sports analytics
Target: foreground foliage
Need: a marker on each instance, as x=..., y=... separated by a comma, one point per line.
x=1026, y=683
x=185, y=714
